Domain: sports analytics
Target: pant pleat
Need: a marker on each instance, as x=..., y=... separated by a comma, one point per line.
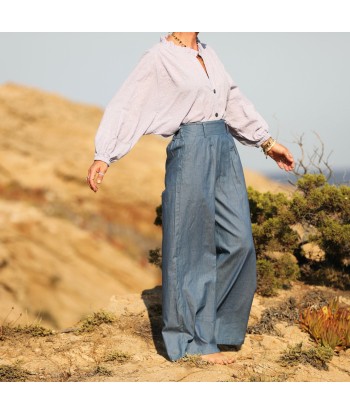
x=208, y=263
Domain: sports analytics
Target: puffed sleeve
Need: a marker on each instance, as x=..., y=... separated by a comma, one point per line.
x=244, y=122
x=130, y=113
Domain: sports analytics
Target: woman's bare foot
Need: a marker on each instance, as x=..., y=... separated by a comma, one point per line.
x=218, y=358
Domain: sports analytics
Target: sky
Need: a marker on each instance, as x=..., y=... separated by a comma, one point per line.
x=298, y=81
x=289, y=58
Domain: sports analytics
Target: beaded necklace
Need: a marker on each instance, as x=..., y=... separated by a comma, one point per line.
x=199, y=57
x=181, y=43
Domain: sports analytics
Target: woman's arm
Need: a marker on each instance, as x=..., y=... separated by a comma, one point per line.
x=127, y=117
x=244, y=121
x=250, y=128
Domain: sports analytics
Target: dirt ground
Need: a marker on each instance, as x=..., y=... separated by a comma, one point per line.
x=66, y=253
x=129, y=348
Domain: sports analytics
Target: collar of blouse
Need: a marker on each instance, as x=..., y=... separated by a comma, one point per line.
x=171, y=45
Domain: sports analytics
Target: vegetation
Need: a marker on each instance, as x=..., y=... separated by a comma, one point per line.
x=94, y=320
x=102, y=371
x=116, y=356
x=282, y=377
x=34, y=330
x=193, y=360
x=287, y=312
x=316, y=214
x=317, y=357
x=13, y=373
x=329, y=326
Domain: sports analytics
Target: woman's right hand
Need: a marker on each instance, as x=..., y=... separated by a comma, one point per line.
x=282, y=157
x=96, y=173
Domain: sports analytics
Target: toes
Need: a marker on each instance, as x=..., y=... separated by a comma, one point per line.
x=218, y=360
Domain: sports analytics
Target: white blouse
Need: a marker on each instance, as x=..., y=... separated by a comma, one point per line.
x=169, y=87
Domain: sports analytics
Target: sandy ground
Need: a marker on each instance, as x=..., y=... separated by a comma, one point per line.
x=66, y=252
x=130, y=349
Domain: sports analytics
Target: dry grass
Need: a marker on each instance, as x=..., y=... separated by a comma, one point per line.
x=193, y=360
x=317, y=357
x=90, y=322
x=268, y=378
x=117, y=356
x=13, y=373
x=287, y=311
x=102, y=371
x=32, y=330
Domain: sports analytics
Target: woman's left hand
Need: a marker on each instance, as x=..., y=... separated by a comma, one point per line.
x=282, y=157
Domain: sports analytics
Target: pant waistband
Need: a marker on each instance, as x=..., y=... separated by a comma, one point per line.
x=205, y=127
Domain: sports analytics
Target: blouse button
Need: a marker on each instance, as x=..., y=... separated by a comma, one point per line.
x=216, y=114
x=214, y=91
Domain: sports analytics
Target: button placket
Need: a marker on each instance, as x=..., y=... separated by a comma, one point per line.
x=209, y=77
x=215, y=98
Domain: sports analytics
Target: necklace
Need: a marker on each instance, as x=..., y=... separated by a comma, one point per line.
x=181, y=43
x=199, y=57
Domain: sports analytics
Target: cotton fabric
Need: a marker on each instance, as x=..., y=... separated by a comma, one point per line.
x=168, y=88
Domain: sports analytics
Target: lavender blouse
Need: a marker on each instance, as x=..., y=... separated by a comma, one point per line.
x=169, y=87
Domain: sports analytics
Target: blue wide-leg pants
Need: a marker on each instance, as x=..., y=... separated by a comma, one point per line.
x=208, y=255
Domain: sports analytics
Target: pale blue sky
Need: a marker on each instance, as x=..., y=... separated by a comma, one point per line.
x=299, y=82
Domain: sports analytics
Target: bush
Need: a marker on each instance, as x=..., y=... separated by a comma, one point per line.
x=324, y=212
x=321, y=213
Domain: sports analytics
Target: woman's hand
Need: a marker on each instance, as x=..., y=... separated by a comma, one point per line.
x=282, y=157
x=96, y=173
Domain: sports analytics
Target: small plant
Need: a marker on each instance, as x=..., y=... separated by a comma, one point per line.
x=34, y=330
x=155, y=257
x=13, y=373
x=102, y=371
x=116, y=356
x=329, y=325
x=96, y=319
x=317, y=357
x=286, y=311
x=268, y=378
x=194, y=360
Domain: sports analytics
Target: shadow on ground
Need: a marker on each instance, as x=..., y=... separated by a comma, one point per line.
x=153, y=302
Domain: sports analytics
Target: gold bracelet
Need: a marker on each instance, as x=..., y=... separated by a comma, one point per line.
x=267, y=145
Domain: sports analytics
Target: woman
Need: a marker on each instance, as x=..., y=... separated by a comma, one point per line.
x=181, y=88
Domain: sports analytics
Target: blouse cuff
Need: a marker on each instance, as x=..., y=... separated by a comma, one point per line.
x=102, y=157
x=266, y=136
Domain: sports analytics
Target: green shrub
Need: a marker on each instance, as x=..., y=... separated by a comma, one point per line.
x=321, y=211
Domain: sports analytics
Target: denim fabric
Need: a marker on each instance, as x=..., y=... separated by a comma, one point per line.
x=209, y=263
